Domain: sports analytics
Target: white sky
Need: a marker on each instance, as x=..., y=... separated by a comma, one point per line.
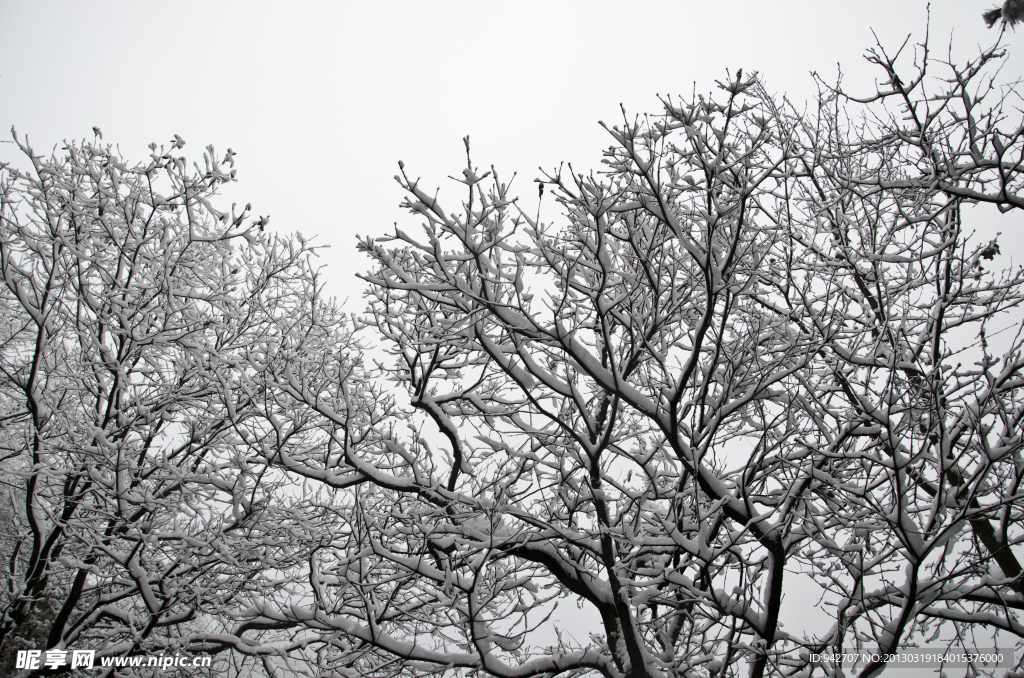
x=321, y=99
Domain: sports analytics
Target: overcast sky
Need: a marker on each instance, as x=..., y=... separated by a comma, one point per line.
x=320, y=100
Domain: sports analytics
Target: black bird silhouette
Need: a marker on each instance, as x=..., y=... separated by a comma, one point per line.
x=1011, y=12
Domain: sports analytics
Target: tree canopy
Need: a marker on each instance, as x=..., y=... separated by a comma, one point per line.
x=762, y=351
x=138, y=421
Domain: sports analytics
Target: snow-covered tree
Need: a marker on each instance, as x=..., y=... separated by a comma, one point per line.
x=761, y=354
x=136, y=421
